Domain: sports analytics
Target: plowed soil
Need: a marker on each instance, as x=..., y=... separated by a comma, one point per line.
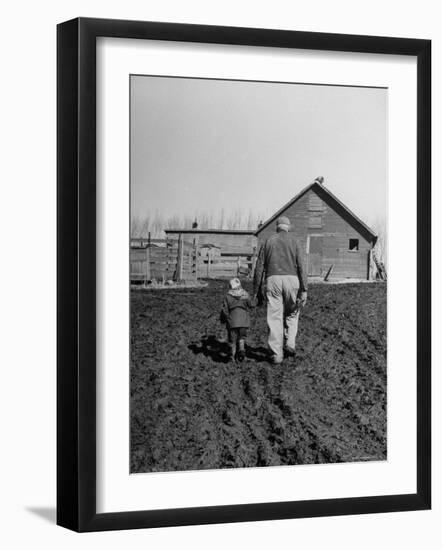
x=193, y=409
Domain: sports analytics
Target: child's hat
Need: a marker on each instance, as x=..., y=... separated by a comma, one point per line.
x=235, y=283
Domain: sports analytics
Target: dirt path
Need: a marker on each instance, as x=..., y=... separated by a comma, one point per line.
x=192, y=409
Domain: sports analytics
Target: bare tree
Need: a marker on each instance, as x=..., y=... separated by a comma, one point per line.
x=157, y=226
x=135, y=227
x=156, y=223
x=253, y=219
x=221, y=217
x=234, y=219
x=381, y=246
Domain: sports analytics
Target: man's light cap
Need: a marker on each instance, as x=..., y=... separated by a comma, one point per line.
x=282, y=220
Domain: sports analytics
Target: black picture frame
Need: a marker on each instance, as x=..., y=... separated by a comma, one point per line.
x=76, y=274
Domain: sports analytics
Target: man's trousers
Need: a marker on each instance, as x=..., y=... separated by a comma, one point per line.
x=282, y=313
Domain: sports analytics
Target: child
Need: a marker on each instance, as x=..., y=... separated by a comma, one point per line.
x=235, y=314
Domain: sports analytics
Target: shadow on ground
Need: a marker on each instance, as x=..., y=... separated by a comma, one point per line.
x=219, y=350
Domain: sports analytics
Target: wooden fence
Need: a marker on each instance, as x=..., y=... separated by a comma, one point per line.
x=225, y=266
x=178, y=260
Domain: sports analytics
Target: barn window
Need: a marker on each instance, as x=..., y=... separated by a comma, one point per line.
x=315, y=222
x=353, y=244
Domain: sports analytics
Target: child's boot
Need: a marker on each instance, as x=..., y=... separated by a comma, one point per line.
x=241, y=349
x=232, y=346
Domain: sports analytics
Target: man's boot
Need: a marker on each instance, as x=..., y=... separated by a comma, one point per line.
x=275, y=360
x=289, y=351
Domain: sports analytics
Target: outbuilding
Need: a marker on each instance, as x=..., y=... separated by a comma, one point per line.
x=229, y=242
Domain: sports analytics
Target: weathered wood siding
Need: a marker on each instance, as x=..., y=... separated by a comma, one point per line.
x=180, y=259
x=171, y=261
x=313, y=214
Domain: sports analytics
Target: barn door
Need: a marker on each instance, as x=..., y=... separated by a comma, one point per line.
x=315, y=257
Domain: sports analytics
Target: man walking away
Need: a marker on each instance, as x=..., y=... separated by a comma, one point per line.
x=281, y=265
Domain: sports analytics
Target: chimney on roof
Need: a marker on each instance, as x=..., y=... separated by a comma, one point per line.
x=320, y=180
x=195, y=224
x=261, y=223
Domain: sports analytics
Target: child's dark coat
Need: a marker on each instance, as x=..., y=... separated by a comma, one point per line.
x=235, y=310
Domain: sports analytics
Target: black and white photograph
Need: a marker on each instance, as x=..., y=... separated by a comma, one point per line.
x=258, y=274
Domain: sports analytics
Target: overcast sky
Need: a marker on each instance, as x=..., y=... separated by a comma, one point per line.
x=205, y=145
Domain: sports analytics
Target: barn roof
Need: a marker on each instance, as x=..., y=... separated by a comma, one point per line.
x=211, y=231
x=322, y=190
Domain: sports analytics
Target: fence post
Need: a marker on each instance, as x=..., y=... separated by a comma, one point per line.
x=195, y=259
x=179, y=267
x=254, y=260
x=167, y=258
x=147, y=276
x=209, y=254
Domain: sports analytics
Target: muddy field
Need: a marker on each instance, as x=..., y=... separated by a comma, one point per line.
x=192, y=409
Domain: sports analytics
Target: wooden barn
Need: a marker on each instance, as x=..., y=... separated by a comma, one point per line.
x=335, y=241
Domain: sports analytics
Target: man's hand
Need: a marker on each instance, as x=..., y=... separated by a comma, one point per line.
x=303, y=298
